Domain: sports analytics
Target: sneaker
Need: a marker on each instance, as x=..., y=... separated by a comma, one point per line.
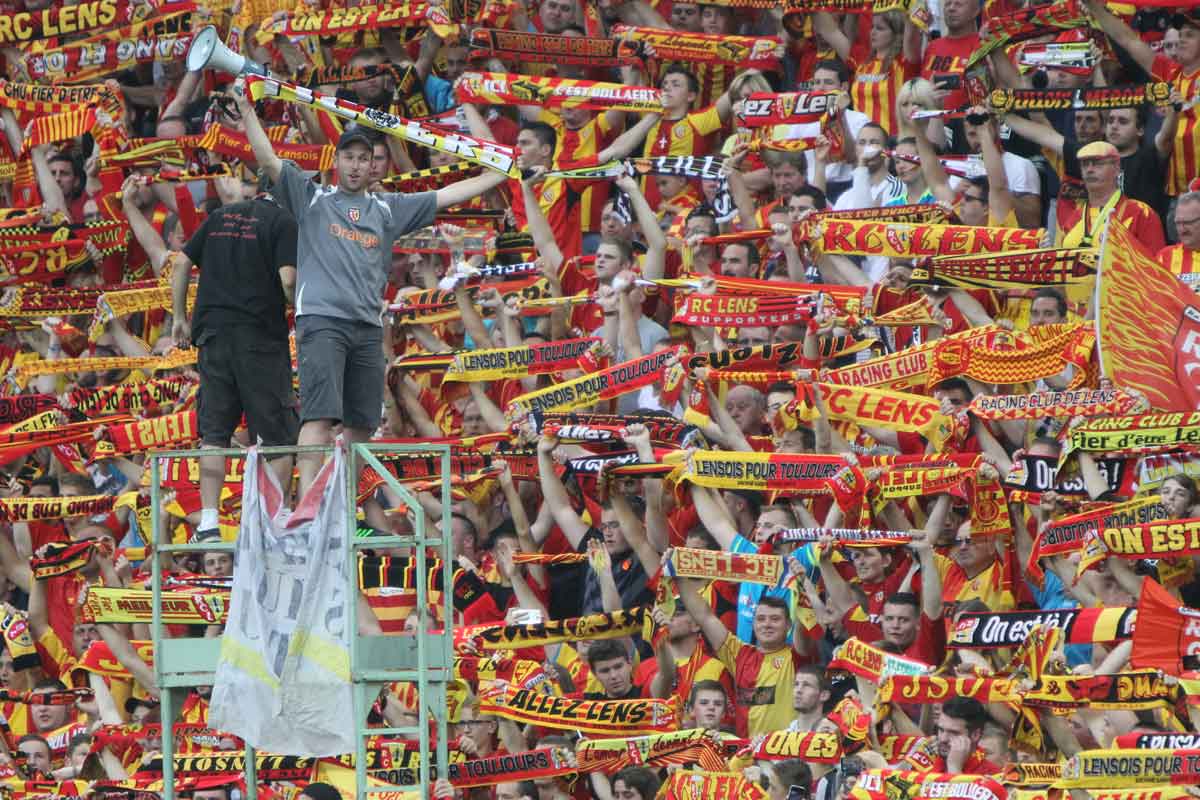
x=207, y=535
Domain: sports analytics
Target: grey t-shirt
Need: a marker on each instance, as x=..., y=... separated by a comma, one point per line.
x=344, y=251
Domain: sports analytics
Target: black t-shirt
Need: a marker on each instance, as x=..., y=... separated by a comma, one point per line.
x=634, y=693
x=627, y=573
x=1145, y=177
x=240, y=249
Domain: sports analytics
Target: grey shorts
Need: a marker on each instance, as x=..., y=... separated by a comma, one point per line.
x=341, y=370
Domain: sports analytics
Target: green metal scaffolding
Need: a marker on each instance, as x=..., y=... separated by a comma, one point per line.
x=424, y=659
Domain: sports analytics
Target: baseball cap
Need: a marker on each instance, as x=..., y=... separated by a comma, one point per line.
x=140, y=697
x=1098, y=150
x=355, y=134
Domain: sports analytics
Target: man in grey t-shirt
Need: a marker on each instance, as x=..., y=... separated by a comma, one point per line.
x=344, y=252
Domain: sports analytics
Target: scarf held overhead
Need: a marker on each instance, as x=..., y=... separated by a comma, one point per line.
x=794, y=472
x=476, y=151
x=614, y=717
x=615, y=381
x=744, y=52
x=502, y=88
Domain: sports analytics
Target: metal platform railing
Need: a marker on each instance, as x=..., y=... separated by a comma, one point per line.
x=425, y=659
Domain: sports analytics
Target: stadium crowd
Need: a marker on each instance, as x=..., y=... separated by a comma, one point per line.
x=819, y=376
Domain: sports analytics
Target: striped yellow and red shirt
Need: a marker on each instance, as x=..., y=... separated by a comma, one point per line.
x=1184, y=164
x=581, y=145
x=1183, y=262
x=690, y=136
x=876, y=85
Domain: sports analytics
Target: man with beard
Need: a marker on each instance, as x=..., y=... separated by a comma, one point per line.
x=959, y=729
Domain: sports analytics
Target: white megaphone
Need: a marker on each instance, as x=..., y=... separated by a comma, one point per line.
x=207, y=51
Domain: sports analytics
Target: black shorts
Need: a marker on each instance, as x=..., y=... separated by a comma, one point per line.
x=341, y=371
x=242, y=372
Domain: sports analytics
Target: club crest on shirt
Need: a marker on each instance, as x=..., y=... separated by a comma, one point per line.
x=354, y=214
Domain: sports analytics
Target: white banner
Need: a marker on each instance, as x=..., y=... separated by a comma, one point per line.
x=283, y=681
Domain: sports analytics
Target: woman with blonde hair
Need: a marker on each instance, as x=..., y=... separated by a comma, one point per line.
x=740, y=88
x=917, y=95
x=891, y=56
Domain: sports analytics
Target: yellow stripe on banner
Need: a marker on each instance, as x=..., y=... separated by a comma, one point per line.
x=322, y=651
x=248, y=661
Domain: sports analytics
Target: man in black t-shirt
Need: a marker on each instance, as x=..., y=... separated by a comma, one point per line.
x=246, y=252
x=1143, y=163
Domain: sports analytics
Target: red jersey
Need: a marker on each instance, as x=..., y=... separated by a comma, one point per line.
x=690, y=136
x=1135, y=215
x=560, y=204
x=582, y=144
x=764, y=685
x=948, y=56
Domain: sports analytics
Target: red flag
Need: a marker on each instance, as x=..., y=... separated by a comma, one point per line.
x=1166, y=631
x=1147, y=324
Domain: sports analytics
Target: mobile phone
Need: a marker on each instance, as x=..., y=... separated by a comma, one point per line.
x=947, y=80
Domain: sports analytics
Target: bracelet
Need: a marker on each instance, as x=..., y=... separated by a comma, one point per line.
x=610, y=313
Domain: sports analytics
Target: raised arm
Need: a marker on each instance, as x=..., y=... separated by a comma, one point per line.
x=16, y=569
x=931, y=581
x=654, y=264
x=710, y=625
x=713, y=515
x=264, y=151
x=555, y=494
x=628, y=141
x=935, y=173
x=657, y=534
x=470, y=188
x=826, y=26
x=1164, y=140
x=1035, y=131
x=539, y=228
x=1000, y=199
x=1122, y=35
x=635, y=534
